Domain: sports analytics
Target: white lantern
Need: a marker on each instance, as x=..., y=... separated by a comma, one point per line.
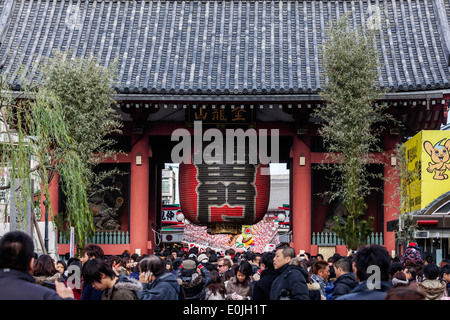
x=180, y=217
x=281, y=217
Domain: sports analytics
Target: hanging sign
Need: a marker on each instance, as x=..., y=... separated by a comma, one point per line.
x=221, y=115
x=72, y=242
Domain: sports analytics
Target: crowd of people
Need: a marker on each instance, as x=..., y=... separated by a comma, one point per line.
x=368, y=274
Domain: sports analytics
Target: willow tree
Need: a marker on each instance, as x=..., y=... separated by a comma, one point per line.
x=65, y=127
x=350, y=123
x=84, y=89
x=35, y=129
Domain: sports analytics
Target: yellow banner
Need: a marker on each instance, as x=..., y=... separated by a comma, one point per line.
x=413, y=164
x=428, y=163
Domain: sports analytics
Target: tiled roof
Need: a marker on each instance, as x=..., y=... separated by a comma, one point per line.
x=224, y=47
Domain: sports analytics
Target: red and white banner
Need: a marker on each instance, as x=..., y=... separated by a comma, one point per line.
x=256, y=238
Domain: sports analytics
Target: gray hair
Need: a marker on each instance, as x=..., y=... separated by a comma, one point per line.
x=344, y=263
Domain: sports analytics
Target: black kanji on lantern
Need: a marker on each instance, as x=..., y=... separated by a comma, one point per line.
x=231, y=185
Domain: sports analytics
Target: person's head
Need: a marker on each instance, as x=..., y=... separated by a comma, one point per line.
x=130, y=264
x=193, y=250
x=266, y=261
x=444, y=263
x=177, y=263
x=45, y=266
x=404, y=293
x=212, y=257
x=445, y=273
x=319, y=257
x=332, y=273
x=223, y=265
x=202, y=258
x=249, y=255
x=342, y=266
x=399, y=279
x=215, y=277
x=410, y=273
x=134, y=257
x=113, y=261
x=127, y=263
x=72, y=260
x=297, y=261
x=166, y=253
x=61, y=266
x=216, y=285
x=244, y=271
x=227, y=275
x=91, y=251
x=335, y=257
x=372, y=259
x=321, y=268
x=428, y=260
x=283, y=256
x=152, y=264
x=395, y=267
x=230, y=252
x=169, y=265
x=98, y=273
x=431, y=271
x=17, y=251
x=420, y=275
x=410, y=263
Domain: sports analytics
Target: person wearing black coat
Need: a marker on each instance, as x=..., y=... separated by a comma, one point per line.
x=371, y=264
x=343, y=285
x=16, y=268
x=261, y=288
x=157, y=282
x=164, y=287
x=290, y=283
x=345, y=281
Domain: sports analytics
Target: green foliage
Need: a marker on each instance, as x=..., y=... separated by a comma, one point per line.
x=351, y=123
x=63, y=129
x=84, y=91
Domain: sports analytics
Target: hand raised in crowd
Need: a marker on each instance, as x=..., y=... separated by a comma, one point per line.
x=63, y=291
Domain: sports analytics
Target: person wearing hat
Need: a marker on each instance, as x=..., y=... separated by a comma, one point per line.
x=202, y=258
x=193, y=280
x=412, y=253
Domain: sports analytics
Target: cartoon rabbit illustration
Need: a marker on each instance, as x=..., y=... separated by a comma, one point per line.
x=440, y=156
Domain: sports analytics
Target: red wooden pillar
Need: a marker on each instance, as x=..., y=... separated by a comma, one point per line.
x=301, y=195
x=139, y=181
x=53, y=196
x=390, y=194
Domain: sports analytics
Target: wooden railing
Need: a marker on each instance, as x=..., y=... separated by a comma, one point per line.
x=108, y=237
x=330, y=238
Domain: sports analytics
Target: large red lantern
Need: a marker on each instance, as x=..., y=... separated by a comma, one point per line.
x=224, y=197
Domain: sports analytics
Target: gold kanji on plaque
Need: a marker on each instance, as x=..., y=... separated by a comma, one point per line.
x=200, y=114
x=237, y=112
x=219, y=114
